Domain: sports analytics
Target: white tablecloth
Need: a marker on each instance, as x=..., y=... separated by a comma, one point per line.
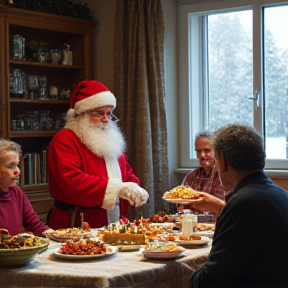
x=123, y=269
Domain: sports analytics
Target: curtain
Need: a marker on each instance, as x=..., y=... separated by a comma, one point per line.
x=139, y=89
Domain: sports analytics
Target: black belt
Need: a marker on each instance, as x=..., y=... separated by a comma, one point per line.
x=64, y=206
x=70, y=207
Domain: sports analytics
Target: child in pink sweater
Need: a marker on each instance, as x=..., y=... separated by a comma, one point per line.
x=16, y=212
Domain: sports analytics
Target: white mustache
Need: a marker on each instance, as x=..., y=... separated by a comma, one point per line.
x=103, y=126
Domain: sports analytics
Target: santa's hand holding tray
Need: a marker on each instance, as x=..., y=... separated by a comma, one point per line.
x=87, y=168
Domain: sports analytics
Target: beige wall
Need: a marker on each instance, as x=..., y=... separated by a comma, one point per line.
x=103, y=49
x=103, y=44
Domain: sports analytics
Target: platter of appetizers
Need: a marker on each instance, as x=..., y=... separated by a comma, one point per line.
x=85, y=250
x=182, y=195
x=162, y=250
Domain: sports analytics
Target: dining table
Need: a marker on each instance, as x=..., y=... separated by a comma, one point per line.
x=121, y=269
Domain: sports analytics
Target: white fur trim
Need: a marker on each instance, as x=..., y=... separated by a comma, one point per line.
x=113, y=215
x=111, y=194
x=113, y=168
x=114, y=174
x=70, y=115
x=98, y=100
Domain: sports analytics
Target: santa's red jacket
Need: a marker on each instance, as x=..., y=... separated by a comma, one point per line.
x=79, y=181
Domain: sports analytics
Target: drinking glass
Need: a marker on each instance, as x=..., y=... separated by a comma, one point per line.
x=33, y=86
x=55, y=56
x=17, y=82
x=43, y=87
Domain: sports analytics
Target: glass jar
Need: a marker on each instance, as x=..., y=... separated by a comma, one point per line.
x=43, y=87
x=65, y=94
x=17, y=47
x=67, y=55
x=53, y=92
x=42, y=56
x=34, y=120
x=17, y=86
x=44, y=115
x=14, y=125
x=33, y=87
x=55, y=56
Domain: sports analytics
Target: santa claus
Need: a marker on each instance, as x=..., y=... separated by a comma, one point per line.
x=87, y=169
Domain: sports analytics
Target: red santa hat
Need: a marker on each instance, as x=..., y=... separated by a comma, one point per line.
x=88, y=95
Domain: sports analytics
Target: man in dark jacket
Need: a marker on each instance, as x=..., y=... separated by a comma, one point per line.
x=250, y=244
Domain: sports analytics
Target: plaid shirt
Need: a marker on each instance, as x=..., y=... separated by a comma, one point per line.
x=210, y=183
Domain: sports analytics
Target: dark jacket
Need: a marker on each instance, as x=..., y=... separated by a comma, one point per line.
x=250, y=244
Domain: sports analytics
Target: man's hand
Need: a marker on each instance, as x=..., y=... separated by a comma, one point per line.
x=209, y=203
x=133, y=193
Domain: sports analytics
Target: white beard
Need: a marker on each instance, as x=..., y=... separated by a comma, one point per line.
x=104, y=140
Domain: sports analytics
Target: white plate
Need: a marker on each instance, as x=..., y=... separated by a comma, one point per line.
x=58, y=237
x=111, y=251
x=162, y=255
x=182, y=201
x=166, y=225
x=128, y=248
x=188, y=243
x=206, y=233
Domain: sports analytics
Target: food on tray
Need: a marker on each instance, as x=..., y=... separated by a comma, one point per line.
x=4, y=231
x=169, y=238
x=28, y=240
x=123, y=238
x=88, y=247
x=86, y=226
x=64, y=234
x=22, y=241
x=151, y=230
x=4, y=234
x=164, y=218
x=154, y=237
x=181, y=192
x=118, y=234
x=204, y=227
x=155, y=218
x=159, y=246
x=135, y=233
x=195, y=237
x=181, y=237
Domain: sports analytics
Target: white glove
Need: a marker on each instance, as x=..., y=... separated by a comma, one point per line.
x=133, y=193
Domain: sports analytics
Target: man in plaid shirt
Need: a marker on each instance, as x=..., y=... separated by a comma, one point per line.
x=205, y=178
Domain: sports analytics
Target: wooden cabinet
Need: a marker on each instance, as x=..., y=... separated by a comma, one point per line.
x=52, y=32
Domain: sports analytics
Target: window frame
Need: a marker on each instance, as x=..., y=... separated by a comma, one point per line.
x=190, y=13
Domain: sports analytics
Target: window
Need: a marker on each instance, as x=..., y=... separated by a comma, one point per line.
x=234, y=68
